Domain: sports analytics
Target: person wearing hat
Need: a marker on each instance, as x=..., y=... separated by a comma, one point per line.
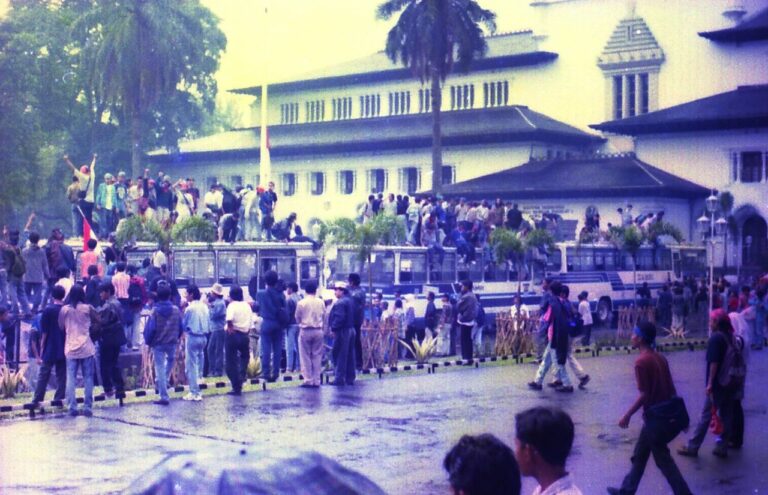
x=342, y=323
x=218, y=320
x=85, y=176
x=586, y=317
x=106, y=205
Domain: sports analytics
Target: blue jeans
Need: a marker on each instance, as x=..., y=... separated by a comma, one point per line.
x=87, y=366
x=344, y=352
x=647, y=444
x=216, y=353
x=271, y=350
x=34, y=292
x=194, y=361
x=164, y=356
x=18, y=295
x=106, y=221
x=292, y=348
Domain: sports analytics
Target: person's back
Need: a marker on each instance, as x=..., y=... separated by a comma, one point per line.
x=76, y=322
x=272, y=307
x=167, y=321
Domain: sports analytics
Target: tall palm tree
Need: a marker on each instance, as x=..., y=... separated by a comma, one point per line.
x=431, y=37
x=147, y=50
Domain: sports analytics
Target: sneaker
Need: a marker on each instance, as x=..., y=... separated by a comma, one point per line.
x=583, y=382
x=566, y=390
x=197, y=398
x=535, y=386
x=686, y=451
x=161, y=402
x=189, y=397
x=87, y=413
x=555, y=384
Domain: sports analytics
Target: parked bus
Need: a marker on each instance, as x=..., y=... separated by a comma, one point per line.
x=600, y=269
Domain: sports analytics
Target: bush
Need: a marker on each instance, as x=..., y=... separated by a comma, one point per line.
x=194, y=229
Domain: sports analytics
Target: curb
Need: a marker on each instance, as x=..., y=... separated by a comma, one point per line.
x=430, y=367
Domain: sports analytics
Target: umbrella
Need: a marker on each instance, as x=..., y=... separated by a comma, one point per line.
x=244, y=473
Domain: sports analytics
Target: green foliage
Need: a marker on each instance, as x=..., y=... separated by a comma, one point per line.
x=658, y=229
x=194, y=229
x=11, y=381
x=254, y=367
x=627, y=239
x=421, y=351
x=338, y=231
x=539, y=239
x=587, y=237
x=135, y=229
x=506, y=245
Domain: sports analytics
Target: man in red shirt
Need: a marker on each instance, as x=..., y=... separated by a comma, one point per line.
x=654, y=381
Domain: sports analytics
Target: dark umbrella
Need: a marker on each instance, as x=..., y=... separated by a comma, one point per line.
x=247, y=473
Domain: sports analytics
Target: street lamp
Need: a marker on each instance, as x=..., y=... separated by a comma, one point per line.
x=715, y=227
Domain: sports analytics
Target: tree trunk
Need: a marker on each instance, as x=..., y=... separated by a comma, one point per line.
x=136, y=170
x=437, y=146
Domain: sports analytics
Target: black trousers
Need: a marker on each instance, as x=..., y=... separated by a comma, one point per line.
x=237, y=357
x=44, y=377
x=111, y=376
x=358, y=348
x=466, y=341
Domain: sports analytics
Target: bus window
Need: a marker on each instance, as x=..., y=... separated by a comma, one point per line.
x=471, y=271
x=383, y=267
x=445, y=272
x=676, y=262
x=645, y=260
x=193, y=268
x=519, y=270
x=663, y=259
x=346, y=262
x=580, y=259
x=554, y=261
x=236, y=267
x=282, y=262
x=413, y=268
x=495, y=272
x=310, y=270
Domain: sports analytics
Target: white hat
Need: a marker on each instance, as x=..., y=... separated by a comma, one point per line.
x=217, y=289
x=340, y=285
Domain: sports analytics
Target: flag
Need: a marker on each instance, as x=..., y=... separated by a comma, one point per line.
x=86, y=229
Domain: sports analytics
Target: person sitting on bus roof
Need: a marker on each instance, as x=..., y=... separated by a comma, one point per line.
x=282, y=229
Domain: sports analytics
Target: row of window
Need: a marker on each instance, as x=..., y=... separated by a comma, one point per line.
x=462, y=97
x=630, y=95
x=749, y=166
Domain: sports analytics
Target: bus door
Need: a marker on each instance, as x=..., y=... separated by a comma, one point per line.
x=236, y=267
x=413, y=267
x=471, y=271
x=194, y=267
x=281, y=261
x=444, y=273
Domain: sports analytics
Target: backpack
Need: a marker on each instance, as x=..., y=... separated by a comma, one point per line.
x=733, y=369
x=135, y=292
x=575, y=324
x=19, y=267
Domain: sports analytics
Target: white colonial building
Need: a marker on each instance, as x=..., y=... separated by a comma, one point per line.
x=337, y=135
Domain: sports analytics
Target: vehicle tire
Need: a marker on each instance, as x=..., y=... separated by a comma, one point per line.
x=604, y=312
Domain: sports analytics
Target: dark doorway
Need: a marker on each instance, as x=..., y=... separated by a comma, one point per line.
x=754, y=241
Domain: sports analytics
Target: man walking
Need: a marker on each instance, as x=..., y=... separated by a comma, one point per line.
x=556, y=352
x=310, y=315
x=466, y=313
x=239, y=319
x=162, y=334
x=52, y=345
x=357, y=294
x=273, y=310
x=341, y=322
x=654, y=381
x=196, y=323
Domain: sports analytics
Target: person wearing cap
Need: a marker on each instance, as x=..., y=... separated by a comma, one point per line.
x=342, y=323
x=218, y=320
x=109, y=318
x=654, y=381
x=86, y=179
x=106, y=205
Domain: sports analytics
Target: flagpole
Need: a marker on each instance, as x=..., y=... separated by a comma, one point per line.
x=265, y=164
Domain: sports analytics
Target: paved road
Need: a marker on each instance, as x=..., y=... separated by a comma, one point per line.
x=396, y=430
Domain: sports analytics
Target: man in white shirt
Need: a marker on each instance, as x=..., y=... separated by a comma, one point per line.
x=310, y=315
x=239, y=319
x=544, y=437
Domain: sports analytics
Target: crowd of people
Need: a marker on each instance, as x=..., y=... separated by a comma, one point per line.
x=245, y=213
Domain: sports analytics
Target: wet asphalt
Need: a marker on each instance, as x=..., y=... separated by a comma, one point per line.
x=395, y=430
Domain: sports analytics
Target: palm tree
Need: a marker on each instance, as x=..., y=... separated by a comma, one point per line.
x=629, y=240
x=431, y=37
x=146, y=51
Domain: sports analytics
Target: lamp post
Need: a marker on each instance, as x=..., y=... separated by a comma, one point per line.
x=715, y=227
